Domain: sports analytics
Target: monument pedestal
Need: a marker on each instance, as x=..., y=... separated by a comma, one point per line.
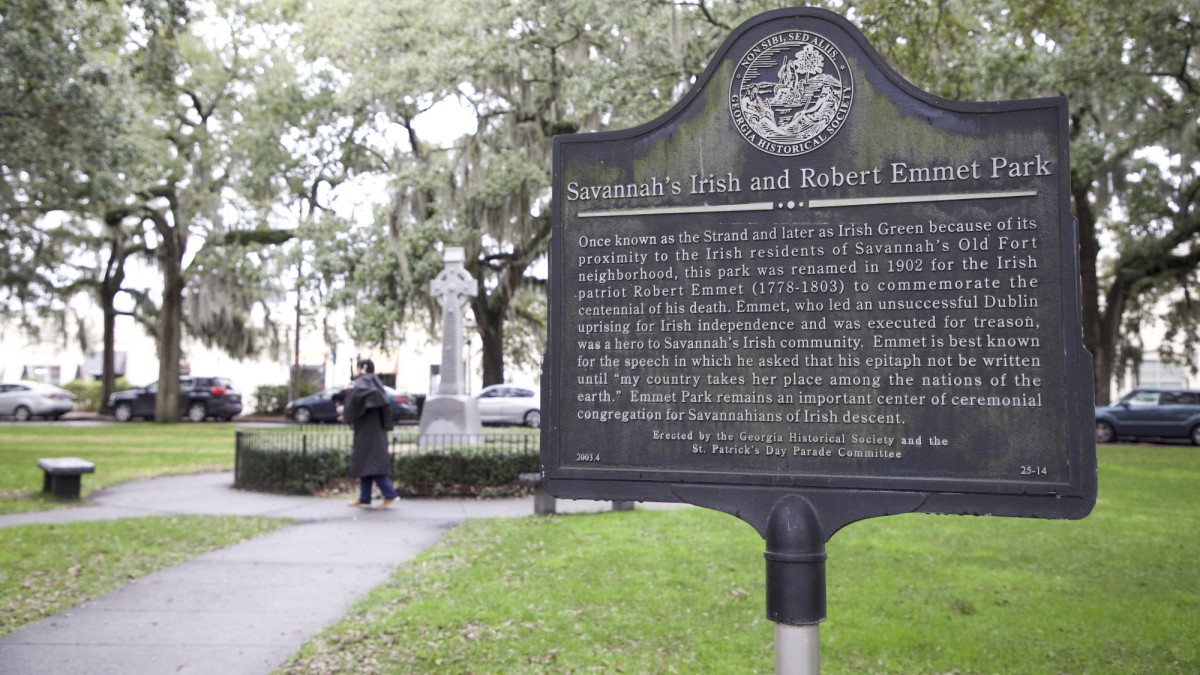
x=449, y=419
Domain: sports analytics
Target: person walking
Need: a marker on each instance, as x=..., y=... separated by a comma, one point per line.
x=366, y=408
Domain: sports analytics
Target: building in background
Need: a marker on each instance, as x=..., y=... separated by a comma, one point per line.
x=1155, y=373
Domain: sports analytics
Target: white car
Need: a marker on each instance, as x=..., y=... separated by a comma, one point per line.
x=24, y=399
x=508, y=404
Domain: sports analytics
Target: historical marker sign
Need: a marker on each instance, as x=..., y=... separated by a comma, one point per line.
x=810, y=277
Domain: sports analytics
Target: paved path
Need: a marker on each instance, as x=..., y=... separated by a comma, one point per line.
x=241, y=609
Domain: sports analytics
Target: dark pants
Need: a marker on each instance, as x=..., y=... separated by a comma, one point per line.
x=385, y=487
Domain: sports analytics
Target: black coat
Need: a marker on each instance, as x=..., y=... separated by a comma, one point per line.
x=366, y=408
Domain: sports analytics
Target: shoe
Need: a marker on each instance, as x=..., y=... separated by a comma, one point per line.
x=364, y=505
x=386, y=503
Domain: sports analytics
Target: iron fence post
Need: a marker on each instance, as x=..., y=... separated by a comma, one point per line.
x=237, y=457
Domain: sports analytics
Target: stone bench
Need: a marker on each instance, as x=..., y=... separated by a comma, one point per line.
x=545, y=503
x=62, y=475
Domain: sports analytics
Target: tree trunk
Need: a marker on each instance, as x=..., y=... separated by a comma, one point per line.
x=491, y=333
x=1105, y=356
x=108, y=371
x=1094, y=341
x=110, y=285
x=107, y=292
x=170, y=318
x=166, y=405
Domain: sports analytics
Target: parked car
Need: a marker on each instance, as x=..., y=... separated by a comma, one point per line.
x=199, y=399
x=507, y=404
x=24, y=399
x=1151, y=412
x=322, y=406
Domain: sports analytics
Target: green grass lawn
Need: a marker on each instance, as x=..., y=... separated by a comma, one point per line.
x=678, y=591
x=48, y=568
x=121, y=452
x=682, y=591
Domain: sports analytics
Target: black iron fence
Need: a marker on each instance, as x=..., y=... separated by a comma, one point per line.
x=304, y=459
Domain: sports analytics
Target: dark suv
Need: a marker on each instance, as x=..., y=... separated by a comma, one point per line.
x=199, y=399
x=1151, y=412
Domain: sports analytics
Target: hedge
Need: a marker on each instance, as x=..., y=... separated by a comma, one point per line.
x=308, y=460
x=271, y=399
x=463, y=470
x=87, y=392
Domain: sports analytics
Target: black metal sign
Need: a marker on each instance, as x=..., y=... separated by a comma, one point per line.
x=811, y=278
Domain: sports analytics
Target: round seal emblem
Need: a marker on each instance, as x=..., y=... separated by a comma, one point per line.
x=791, y=93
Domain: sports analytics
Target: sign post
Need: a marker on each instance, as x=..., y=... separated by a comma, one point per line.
x=811, y=293
x=795, y=585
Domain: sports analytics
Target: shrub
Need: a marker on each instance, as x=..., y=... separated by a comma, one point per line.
x=303, y=460
x=272, y=399
x=289, y=471
x=464, y=471
x=87, y=392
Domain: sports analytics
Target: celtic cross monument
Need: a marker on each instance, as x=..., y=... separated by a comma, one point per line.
x=450, y=411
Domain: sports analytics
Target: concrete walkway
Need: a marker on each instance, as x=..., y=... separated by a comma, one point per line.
x=241, y=609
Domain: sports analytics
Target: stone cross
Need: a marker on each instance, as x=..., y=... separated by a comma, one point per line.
x=452, y=287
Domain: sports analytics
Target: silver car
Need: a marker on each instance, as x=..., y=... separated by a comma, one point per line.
x=24, y=399
x=506, y=404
